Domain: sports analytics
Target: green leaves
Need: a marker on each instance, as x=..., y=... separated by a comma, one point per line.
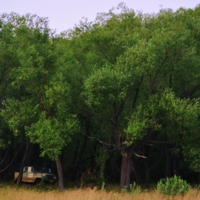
x=19, y=113
x=128, y=75
x=51, y=134
x=41, y=108
x=173, y=186
x=106, y=85
x=164, y=113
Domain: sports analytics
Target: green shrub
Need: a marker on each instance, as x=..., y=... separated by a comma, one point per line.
x=124, y=190
x=173, y=186
x=42, y=186
x=134, y=189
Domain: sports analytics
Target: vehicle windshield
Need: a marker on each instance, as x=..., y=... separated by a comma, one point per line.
x=41, y=169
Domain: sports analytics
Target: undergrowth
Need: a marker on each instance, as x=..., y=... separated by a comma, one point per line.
x=173, y=186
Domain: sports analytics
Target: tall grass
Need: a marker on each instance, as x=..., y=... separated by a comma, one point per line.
x=32, y=193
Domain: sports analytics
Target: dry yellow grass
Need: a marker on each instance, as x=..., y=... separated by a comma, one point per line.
x=13, y=193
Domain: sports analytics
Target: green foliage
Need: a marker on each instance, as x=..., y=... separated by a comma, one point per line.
x=135, y=189
x=124, y=190
x=103, y=186
x=173, y=186
x=134, y=77
x=42, y=186
x=52, y=135
x=2, y=144
x=17, y=113
x=107, y=83
x=164, y=112
x=101, y=159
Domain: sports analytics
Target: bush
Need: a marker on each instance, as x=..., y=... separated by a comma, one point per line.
x=173, y=186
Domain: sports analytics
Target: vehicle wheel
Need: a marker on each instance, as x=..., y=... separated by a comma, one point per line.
x=38, y=181
x=52, y=183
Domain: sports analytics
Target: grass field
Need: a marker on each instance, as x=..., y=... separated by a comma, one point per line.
x=12, y=192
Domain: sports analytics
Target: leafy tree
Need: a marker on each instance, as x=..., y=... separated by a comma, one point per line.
x=43, y=107
x=120, y=91
x=130, y=79
x=8, y=58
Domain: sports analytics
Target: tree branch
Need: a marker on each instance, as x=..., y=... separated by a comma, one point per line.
x=12, y=160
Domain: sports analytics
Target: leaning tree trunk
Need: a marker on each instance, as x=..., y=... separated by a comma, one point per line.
x=125, y=170
x=19, y=179
x=149, y=169
x=136, y=171
x=60, y=174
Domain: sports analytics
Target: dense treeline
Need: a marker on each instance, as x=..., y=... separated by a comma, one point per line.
x=116, y=99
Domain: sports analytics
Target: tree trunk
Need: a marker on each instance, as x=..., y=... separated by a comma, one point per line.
x=102, y=163
x=77, y=164
x=149, y=169
x=60, y=174
x=19, y=179
x=125, y=170
x=11, y=162
x=168, y=172
x=175, y=165
x=136, y=171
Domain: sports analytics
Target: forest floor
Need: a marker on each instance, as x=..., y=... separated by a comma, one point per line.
x=50, y=192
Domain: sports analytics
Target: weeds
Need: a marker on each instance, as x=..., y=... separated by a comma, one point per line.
x=134, y=189
x=9, y=191
x=42, y=186
x=103, y=186
x=124, y=190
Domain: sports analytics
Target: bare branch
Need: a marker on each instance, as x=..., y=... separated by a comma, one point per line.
x=140, y=156
x=100, y=141
x=107, y=144
x=158, y=142
x=12, y=160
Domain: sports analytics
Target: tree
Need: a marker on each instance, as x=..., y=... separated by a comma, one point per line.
x=9, y=61
x=128, y=80
x=43, y=108
x=119, y=92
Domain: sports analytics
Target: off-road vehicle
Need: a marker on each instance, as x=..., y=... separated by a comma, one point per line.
x=35, y=174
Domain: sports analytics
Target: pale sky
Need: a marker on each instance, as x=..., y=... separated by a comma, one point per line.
x=64, y=14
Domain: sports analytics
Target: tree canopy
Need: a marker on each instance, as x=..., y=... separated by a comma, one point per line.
x=121, y=92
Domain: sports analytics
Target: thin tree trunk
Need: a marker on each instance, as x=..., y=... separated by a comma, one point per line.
x=102, y=165
x=11, y=162
x=60, y=174
x=153, y=167
x=79, y=159
x=6, y=154
x=175, y=165
x=19, y=179
x=136, y=172
x=168, y=171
